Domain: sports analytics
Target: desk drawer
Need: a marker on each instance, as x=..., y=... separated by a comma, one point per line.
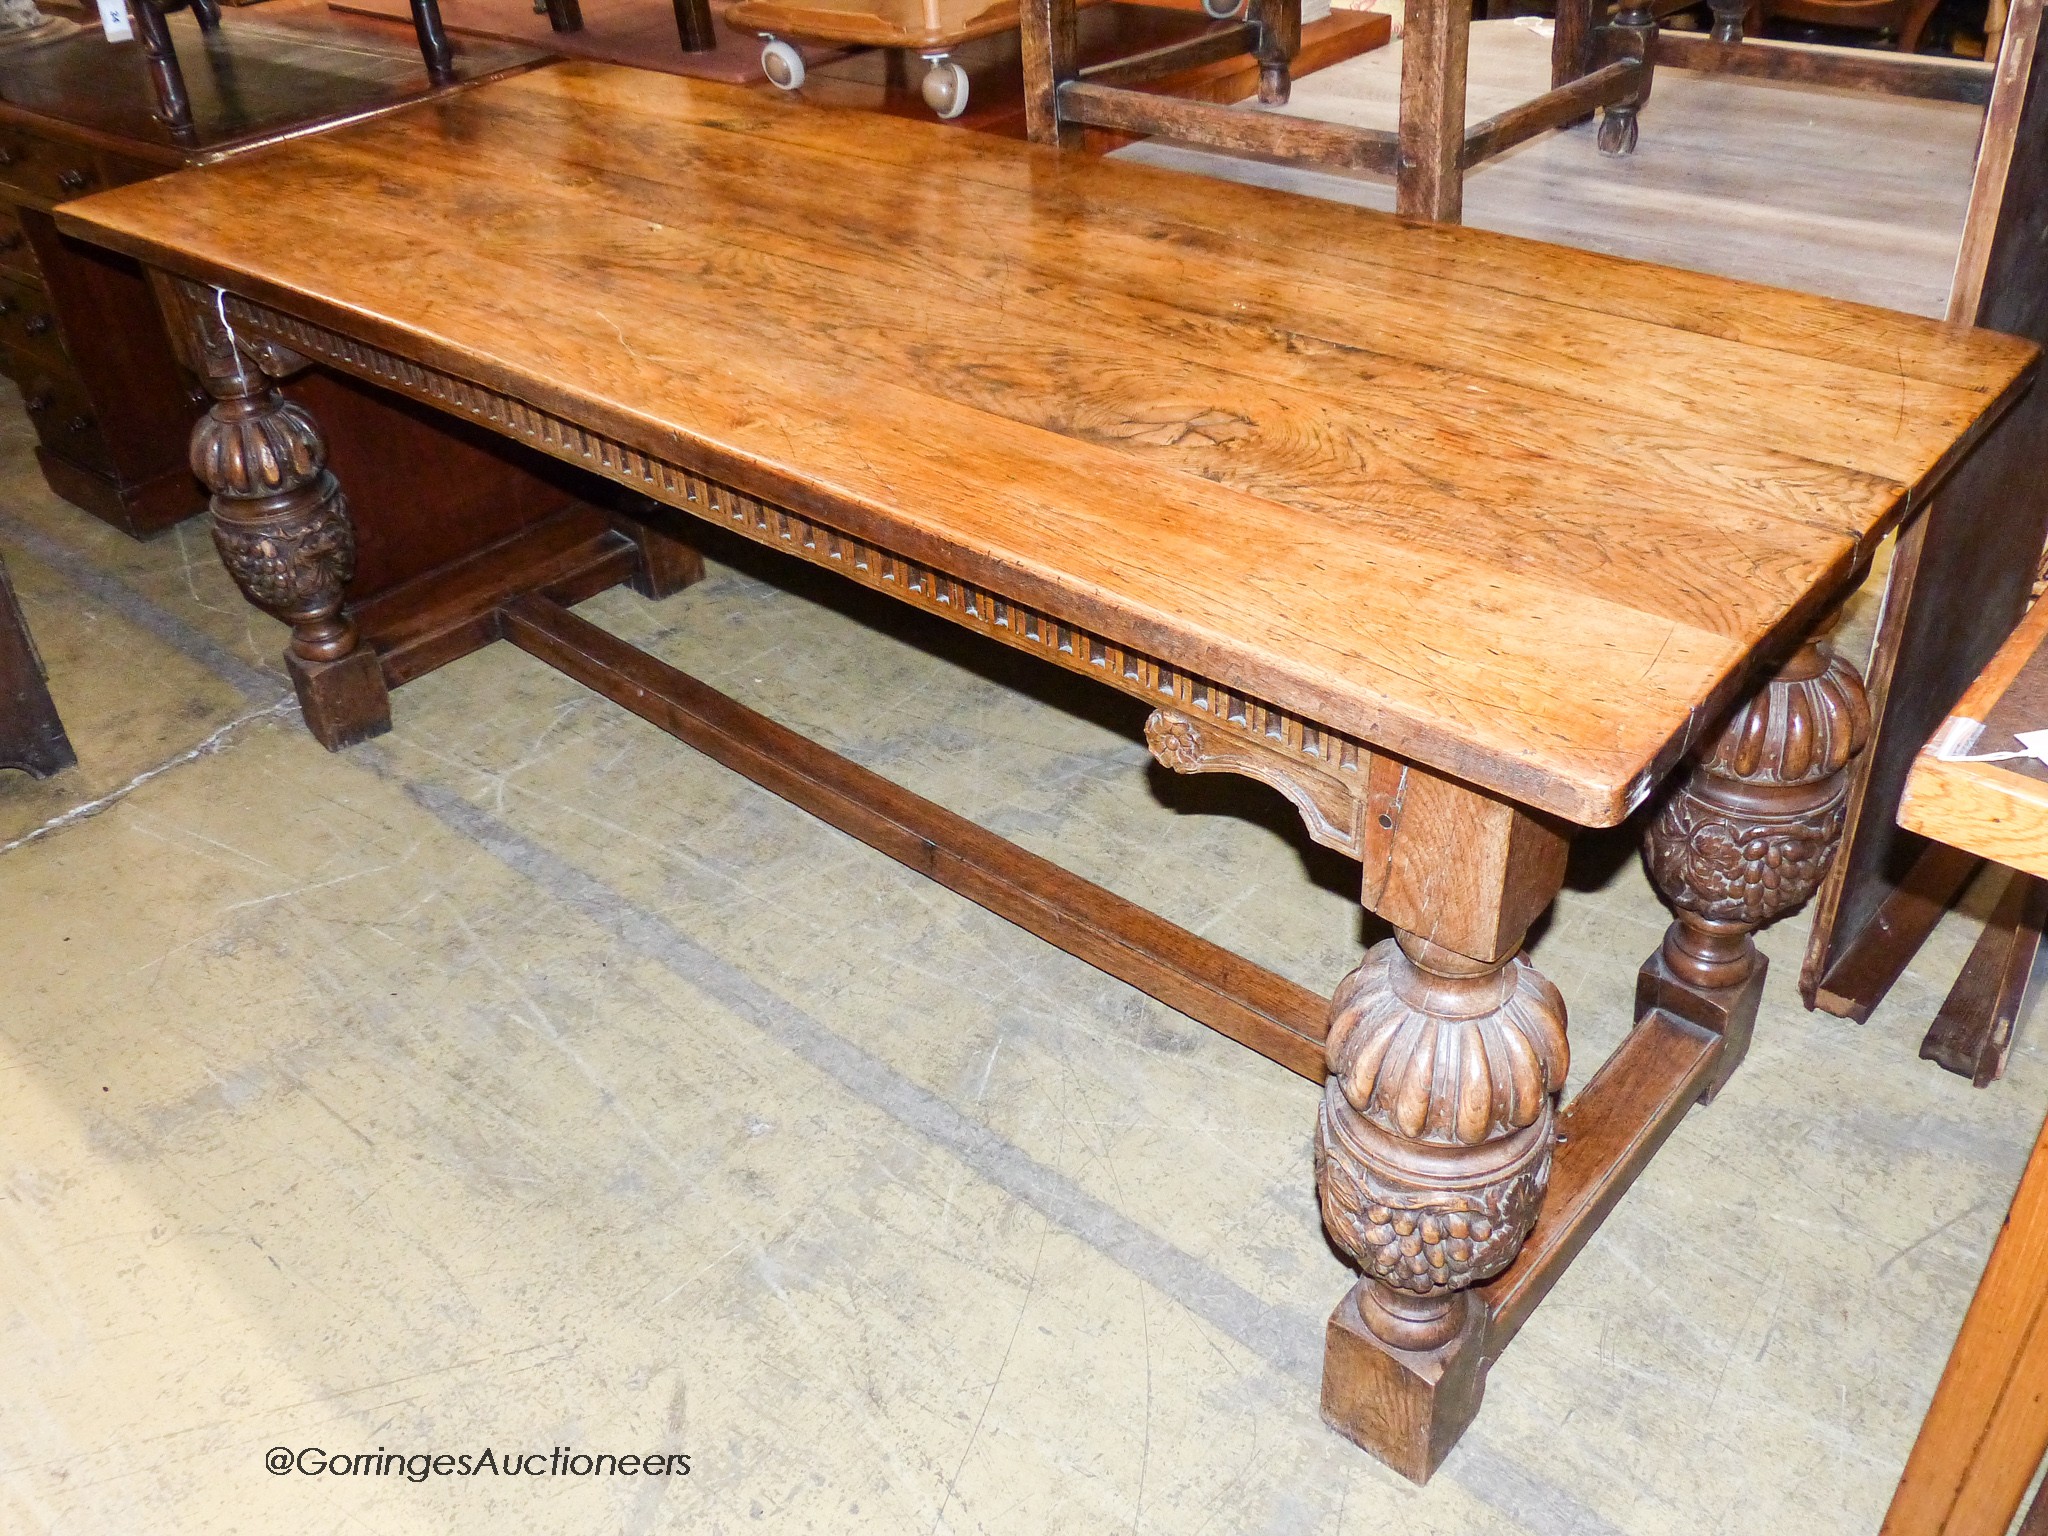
x=17, y=256
x=28, y=328
x=64, y=420
x=46, y=171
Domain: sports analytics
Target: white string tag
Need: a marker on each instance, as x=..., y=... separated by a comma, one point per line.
x=115, y=21
x=2033, y=744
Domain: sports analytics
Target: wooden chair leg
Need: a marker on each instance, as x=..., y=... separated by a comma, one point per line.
x=1051, y=38
x=31, y=736
x=1972, y=1035
x=1730, y=19
x=166, y=78
x=1631, y=35
x=435, y=50
x=1430, y=183
x=693, y=26
x=564, y=15
x=1571, y=42
x=1279, y=41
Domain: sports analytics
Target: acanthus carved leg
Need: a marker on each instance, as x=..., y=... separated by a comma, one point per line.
x=1433, y=1153
x=281, y=525
x=1746, y=837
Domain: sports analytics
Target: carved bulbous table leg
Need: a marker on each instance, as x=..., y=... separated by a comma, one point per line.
x=281, y=525
x=1746, y=837
x=1432, y=1157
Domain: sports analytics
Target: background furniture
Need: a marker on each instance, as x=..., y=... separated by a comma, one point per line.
x=79, y=333
x=1996, y=808
x=1426, y=156
x=1962, y=572
x=641, y=33
x=1472, y=619
x=31, y=736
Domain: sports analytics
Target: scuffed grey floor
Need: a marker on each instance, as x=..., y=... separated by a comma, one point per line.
x=523, y=1079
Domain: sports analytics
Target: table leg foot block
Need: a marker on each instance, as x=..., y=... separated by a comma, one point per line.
x=1729, y=1012
x=344, y=701
x=1407, y=1407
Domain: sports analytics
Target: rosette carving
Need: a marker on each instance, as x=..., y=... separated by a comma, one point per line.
x=1749, y=832
x=1433, y=1145
x=1174, y=741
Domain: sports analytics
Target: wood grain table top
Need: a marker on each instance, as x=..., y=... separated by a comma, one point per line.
x=1957, y=793
x=1523, y=514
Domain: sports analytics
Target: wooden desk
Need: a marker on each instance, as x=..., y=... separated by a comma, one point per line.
x=1455, y=540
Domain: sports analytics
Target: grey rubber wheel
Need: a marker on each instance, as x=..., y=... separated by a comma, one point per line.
x=945, y=88
x=1222, y=10
x=782, y=64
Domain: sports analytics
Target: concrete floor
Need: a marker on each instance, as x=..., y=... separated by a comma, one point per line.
x=522, y=1079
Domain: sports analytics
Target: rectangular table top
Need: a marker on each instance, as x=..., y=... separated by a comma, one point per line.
x=1523, y=514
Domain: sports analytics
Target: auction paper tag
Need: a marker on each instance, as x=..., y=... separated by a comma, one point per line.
x=114, y=20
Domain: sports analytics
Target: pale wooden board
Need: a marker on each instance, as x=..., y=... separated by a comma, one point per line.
x=1849, y=194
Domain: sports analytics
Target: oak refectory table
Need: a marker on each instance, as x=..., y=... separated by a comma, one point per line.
x=1457, y=541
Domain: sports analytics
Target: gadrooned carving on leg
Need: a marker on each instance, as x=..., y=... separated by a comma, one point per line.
x=1434, y=1143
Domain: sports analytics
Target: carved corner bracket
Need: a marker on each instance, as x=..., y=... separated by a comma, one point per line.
x=1326, y=782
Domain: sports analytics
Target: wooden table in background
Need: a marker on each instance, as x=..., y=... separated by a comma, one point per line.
x=1454, y=540
x=78, y=331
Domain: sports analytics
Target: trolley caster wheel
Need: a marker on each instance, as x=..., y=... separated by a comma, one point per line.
x=945, y=89
x=1221, y=10
x=782, y=64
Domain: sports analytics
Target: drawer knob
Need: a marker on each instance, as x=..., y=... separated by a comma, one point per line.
x=6, y=155
x=38, y=325
x=73, y=180
x=79, y=424
x=38, y=402
x=6, y=305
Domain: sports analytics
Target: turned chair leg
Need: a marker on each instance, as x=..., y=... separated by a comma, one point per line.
x=1432, y=1156
x=281, y=525
x=1631, y=35
x=1279, y=41
x=1746, y=837
x=1728, y=19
